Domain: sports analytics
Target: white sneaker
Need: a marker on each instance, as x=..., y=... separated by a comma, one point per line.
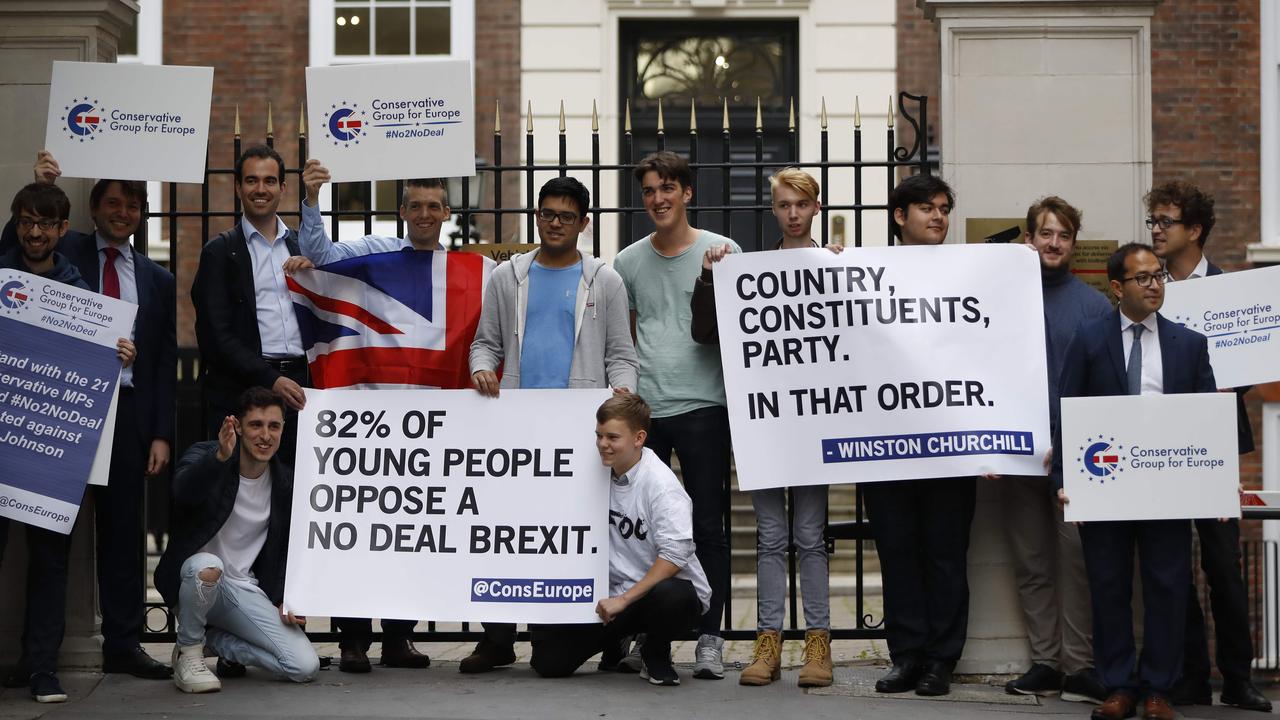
x=708, y=658
x=190, y=673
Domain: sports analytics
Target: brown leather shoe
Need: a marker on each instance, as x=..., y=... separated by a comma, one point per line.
x=400, y=653
x=1117, y=706
x=354, y=660
x=1158, y=708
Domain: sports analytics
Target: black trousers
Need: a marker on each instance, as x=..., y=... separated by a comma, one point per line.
x=700, y=440
x=921, y=529
x=357, y=633
x=44, y=620
x=118, y=523
x=1164, y=552
x=220, y=402
x=670, y=609
x=1220, y=560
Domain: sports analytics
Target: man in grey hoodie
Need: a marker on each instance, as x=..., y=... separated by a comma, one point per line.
x=552, y=318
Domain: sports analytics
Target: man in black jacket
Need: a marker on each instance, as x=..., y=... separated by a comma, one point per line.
x=223, y=572
x=245, y=326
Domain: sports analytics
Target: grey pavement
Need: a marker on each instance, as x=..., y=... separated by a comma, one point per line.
x=441, y=692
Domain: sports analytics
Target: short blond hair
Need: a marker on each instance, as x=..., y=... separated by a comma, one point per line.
x=796, y=179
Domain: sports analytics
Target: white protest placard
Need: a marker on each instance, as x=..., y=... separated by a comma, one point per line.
x=1150, y=457
x=131, y=122
x=883, y=363
x=448, y=505
x=58, y=377
x=1240, y=314
x=388, y=121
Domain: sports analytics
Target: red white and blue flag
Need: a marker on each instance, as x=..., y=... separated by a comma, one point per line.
x=391, y=320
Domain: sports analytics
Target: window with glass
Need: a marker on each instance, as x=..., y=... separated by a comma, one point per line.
x=392, y=27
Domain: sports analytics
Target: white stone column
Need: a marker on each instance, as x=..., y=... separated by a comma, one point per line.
x=34, y=33
x=1038, y=97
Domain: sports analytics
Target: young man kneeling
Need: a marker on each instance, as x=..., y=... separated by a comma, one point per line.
x=656, y=584
x=223, y=572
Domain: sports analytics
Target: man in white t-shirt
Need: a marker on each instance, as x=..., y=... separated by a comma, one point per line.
x=223, y=572
x=656, y=584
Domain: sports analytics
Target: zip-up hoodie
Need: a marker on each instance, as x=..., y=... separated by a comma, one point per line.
x=603, y=354
x=63, y=270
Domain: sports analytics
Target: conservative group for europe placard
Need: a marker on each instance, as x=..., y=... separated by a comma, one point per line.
x=1240, y=314
x=449, y=505
x=131, y=122
x=883, y=363
x=387, y=121
x=58, y=373
x=1150, y=457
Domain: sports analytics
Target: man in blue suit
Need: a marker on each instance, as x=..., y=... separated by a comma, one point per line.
x=1130, y=352
x=143, y=435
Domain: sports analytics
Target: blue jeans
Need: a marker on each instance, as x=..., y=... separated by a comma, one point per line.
x=240, y=624
x=810, y=511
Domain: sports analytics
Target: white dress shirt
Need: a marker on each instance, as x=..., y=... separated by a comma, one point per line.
x=128, y=275
x=1152, y=364
x=277, y=325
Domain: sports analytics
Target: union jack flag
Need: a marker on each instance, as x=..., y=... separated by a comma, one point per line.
x=396, y=319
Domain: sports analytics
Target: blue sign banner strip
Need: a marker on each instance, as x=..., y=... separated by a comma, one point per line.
x=533, y=590
x=927, y=445
x=55, y=392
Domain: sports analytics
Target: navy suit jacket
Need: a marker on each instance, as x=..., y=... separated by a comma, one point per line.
x=1094, y=365
x=155, y=370
x=1244, y=428
x=227, y=316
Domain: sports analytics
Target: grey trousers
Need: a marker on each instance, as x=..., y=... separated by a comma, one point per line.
x=1049, y=566
x=811, y=555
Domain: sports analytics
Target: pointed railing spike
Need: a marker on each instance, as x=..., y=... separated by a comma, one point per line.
x=857, y=114
x=759, y=116
x=661, y=125
x=724, y=121
x=595, y=118
x=497, y=117
x=693, y=116
x=528, y=122
x=561, y=117
x=237, y=128
x=791, y=115
x=823, y=116
x=270, y=126
x=626, y=127
x=302, y=119
x=891, y=116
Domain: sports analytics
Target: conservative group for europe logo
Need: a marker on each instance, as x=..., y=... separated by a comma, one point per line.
x=14, y=295
x=345, y=123
x=84, y=118
x=1101, y=458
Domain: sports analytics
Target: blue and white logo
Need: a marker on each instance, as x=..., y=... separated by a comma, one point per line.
x=83, y=118
x=1101, y=458
x=344, y=124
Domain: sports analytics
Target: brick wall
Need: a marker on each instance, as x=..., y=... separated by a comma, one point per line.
x=498, y=79
x=919, y=69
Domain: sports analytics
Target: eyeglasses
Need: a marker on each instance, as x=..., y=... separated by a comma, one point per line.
x=1163, y=221
x=1145, y=279
x=566, y=218
x=25, y=224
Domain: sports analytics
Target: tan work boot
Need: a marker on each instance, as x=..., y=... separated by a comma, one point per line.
x=817, y=659
x=766, y=660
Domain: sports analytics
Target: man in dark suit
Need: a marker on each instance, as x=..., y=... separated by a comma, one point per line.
x=245, y=326
x=1130, y=352
x=1181, y=217
x=143, y=432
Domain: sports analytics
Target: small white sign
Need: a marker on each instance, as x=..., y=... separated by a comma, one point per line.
x=130, y=122
x=392, y=121
x=1240, y=314
x=1150, y=457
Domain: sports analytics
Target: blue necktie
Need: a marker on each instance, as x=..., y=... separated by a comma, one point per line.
x=1135, y=362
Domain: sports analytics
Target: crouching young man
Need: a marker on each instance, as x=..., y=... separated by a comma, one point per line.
x=656, y=584
x=223, y=572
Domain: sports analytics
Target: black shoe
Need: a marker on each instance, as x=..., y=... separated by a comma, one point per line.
x=229, y=669
x=400, y=653
x=138, y=663
x=1242, y=694
x=935, y=681
x=354, y=660
x=901, y=678
x=1039, y=680
x=45, y=688
x=487, y=656
x=1084, y=686
x=611, y=657
x=658, y=669
x=1189, y=692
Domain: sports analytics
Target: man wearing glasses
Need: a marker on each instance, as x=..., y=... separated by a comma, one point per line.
x=1134, y=351
x=1181, y=217
x=553, y=318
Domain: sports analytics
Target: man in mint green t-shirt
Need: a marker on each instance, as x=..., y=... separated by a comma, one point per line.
x=682, y=380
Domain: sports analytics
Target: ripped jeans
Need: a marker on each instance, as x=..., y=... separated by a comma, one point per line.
x=240, y=624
